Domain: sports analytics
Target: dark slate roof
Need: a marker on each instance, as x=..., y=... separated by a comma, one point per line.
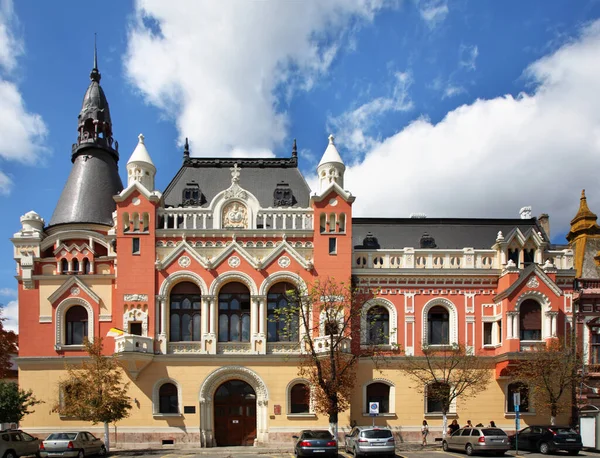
x=88, y=194
x=95, y=105
x=589, y=269
x=259, y=176
x=448, y=233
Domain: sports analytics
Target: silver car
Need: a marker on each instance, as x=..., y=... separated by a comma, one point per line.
x=478, y=440
x=15, y=443
x=72, y=444
x=366, y=441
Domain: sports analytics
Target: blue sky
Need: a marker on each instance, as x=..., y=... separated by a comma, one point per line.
x=462, y=108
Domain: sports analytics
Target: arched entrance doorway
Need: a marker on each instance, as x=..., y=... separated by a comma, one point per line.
x=235, y=414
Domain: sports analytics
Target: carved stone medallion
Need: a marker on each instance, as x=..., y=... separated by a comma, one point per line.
x=75, y=291
x=533, y=282
x=235, y=215
x=184, y=261
x=234, y=262
x=284, y=262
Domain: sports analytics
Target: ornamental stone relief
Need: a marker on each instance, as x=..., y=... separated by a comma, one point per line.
x=184, y=261
x=284, y=262
x=135, y=297
x=234, y=262
x=75, y=291
x=235, y=215
x=533, y=282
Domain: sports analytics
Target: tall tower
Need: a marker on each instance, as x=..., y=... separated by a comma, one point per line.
x=331, y=168
x=140, y=166
x=94, y=179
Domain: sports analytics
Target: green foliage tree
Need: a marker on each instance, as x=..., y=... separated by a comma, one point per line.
x=550, y=371
x=8, y=347
x=446, y=372
x=94, y=392
x=15, y=403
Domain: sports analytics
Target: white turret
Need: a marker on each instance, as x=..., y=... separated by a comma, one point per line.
x=140, y=167
x=331, y=168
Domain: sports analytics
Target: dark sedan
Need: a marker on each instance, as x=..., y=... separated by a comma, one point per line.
x=547, y=439
x=315, y=443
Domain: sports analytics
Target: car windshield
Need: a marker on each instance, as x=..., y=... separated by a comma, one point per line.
x=61, y=437
x=493, y=432
x=317, y=435
x=377, y=433
x=558, y=430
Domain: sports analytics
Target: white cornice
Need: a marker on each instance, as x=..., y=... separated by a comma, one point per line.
x=154, y=196
x=346, y=195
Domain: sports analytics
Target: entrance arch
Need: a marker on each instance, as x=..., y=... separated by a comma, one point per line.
x=235, y=414
x=208, y=390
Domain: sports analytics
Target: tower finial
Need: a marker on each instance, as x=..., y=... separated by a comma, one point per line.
x=186, y=150
x=294, y=149
x=95, y=74
x=331, y=138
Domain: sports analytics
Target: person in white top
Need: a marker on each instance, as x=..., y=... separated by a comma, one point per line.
x=424, y=432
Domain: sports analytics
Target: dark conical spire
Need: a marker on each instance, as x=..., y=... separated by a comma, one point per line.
x=295, y=149
x=94, y=179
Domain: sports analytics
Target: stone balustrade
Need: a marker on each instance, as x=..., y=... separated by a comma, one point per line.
x=133, y=343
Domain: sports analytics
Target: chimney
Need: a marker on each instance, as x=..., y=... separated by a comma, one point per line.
x=544, y=221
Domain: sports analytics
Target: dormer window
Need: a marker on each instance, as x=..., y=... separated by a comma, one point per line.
x=427, y=241
x=192, y=197
x=283, y=195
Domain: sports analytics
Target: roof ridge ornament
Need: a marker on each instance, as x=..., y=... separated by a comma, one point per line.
x=235, y=174
x=95, y=73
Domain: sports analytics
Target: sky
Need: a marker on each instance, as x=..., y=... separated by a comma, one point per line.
x=456, y=108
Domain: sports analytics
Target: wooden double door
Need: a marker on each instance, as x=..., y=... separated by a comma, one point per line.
x=235, y=414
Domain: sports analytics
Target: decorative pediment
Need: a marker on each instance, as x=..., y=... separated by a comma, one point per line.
x=530, y=278
x=73, y=286
x=285, y=247
x=333, y=186
x=153, y=196
x=92, y=237
x=73, y=247
x=178, y=253
x=236, y=248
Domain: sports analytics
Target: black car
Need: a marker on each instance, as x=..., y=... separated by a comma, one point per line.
x=315, y=443
x=547, y=439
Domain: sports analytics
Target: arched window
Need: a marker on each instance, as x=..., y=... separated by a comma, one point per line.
x=75, y=266
x=76, y=330
x=282, y=314
x=146, y=220
x=332, y=227
x=86, y=266
x=530, y=320
x=64, y=266
x=438, y=321
x=379, y=392
x=167, y=399
x=234, y=313
x=523, y=390
x=322, y=222
x=378, y=326
x=185, y=313
x=436, y=394
x=300, y=398
x=342, y=222
x=126, y=222
x=136, y=222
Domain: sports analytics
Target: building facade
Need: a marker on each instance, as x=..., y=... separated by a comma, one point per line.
x=194, y=274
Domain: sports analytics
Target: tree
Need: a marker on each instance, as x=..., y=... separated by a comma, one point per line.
x=15, y=403
x=550, y=372
x=94, y=392
x=445, y=373
x=324, y=319
x=8, y=347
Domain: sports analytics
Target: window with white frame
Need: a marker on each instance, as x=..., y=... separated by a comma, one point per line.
x=378, y=392
x=530, y=320
x=76, y=325
x=166, y=398
x=378, y=326
x=438, y=323
x=523, y=390
x=435, y=395
x=595, y=349
x=299, y=397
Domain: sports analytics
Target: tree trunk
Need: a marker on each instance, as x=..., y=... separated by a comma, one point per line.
x=552, y=420
x=444, y=424
x=106, y=437
x=333, y=425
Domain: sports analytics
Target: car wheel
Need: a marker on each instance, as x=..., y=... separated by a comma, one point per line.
x=445, y=446
x=544, y=449
x=356, y=453
x=102, y=451
x=81, y=454
x=469, y=449
x=10, y=454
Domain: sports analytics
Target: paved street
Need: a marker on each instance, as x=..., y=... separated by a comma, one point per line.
x=247, y=452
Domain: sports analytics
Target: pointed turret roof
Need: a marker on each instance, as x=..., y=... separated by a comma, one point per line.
x=331, y=154
x=584, y=221
x=140, y=153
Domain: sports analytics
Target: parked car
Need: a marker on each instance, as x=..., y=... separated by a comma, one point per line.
x=315, y=443
x=547, y=439
x=72, y=444
x=15, y=443
x=370, y=441
x=478, y=440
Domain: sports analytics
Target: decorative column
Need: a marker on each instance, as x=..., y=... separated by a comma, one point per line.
x=161, y=302
x=209, y=319
x=512, y=330
x=259, y=322
x=551, y=318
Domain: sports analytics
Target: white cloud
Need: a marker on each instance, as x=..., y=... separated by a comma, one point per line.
x=22, y=133
x=353, y=128
x=451, y=90
x=494, y=156
x=468, y=56
x=11, y=314
x=224, y=70
x=8, y=292
x=433, y=12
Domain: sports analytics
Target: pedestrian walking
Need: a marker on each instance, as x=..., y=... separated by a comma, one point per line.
x=424, y=432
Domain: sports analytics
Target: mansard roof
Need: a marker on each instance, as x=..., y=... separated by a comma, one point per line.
x=449, y=233
x=259, y=176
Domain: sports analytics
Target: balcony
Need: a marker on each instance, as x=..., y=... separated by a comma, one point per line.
x=426, y=259
x=134, y=352
x=323, y=343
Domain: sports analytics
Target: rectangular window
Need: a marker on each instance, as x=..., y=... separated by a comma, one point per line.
x=487, y=334
x=332, y=245
x=135, y=329
x=135, y=245
x=595, y=350
x=500, y=331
